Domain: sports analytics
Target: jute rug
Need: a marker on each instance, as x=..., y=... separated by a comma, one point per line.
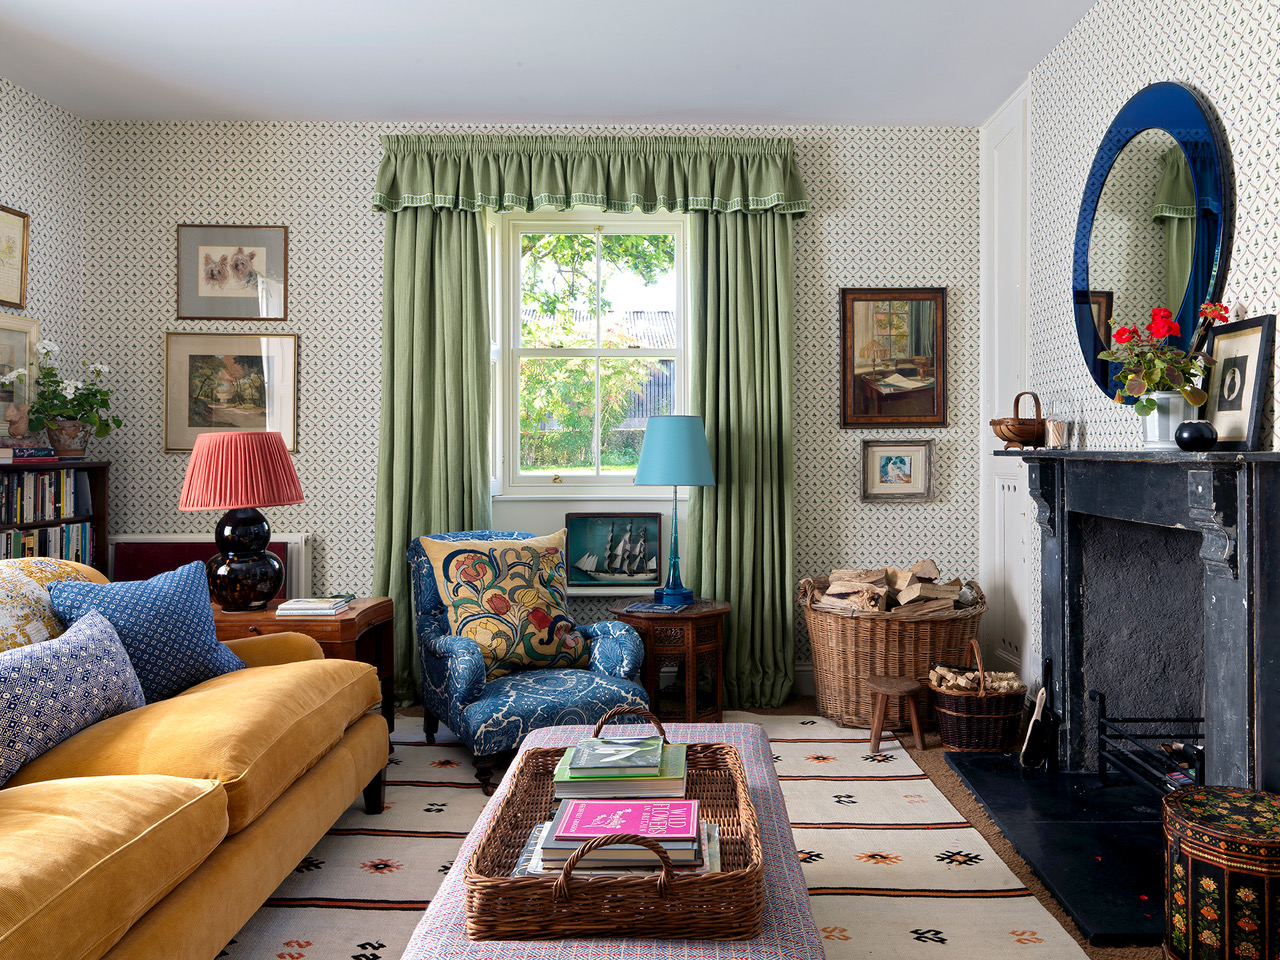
x=894, y=871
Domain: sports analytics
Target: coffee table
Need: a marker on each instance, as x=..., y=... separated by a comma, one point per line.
x=789, y=932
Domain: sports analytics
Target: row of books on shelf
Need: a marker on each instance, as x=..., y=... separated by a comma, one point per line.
x=35, y=496
x=69, y=541
x=691, y=843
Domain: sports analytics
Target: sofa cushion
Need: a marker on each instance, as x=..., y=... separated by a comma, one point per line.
x=52, y=690
x=509, y=596
x=255, y=730
x=84, y=858
x=165, y=624
x=26, y=614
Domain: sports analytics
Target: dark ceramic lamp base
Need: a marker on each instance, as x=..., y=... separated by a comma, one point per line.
x=245, y=575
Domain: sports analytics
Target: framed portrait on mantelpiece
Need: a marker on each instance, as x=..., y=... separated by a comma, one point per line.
x=1242, y=351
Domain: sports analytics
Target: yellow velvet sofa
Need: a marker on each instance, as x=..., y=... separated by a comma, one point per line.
x=157, y=833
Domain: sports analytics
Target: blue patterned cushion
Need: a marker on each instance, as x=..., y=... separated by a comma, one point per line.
x=53, y=689
x=165, y=624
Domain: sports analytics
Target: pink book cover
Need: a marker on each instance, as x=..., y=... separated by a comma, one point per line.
x=656, y=819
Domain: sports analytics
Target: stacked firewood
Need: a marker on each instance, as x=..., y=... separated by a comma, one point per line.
x=954, y=679
x=911, y=592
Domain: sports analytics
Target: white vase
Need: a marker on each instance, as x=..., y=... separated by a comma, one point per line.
x=1158, y=426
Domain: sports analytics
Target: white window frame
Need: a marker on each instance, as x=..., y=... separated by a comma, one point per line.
x=506, y=419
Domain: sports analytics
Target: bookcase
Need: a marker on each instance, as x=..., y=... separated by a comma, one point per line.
x=55, y=509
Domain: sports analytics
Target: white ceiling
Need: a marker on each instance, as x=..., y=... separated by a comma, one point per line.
x=589, y=61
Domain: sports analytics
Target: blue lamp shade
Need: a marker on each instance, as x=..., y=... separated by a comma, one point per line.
x=675, y=452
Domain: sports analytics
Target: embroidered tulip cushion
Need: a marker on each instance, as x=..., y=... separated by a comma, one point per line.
x=165, y=624
x=26, y=615
x=509, y=597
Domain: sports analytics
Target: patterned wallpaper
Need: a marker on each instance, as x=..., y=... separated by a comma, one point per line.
x=891, y=207
x=42, y=174
x=1230, y=51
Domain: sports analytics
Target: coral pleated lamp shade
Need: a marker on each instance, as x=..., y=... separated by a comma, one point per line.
x=239, y=469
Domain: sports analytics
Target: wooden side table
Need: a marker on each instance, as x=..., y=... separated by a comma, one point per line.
x=688, y=638
x=361, y=632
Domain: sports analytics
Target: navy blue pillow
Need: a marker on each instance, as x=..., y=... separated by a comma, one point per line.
x=165, y=624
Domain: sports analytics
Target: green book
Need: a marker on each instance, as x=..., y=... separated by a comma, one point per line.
x=620, y=756
x=669, y=782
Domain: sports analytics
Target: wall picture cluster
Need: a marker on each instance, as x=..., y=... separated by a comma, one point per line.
x=216, y=382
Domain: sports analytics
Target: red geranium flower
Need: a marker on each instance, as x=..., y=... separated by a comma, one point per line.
x=1161, y=324
x=1124, y=334
x=1214, y=311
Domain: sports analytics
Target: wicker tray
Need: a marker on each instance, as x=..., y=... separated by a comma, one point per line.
x=974, y=721
x=846, y=650
x=728, y=905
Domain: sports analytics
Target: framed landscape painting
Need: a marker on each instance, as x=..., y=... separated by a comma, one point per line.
x=232, y=272
x=219, y=382
x=613, y=549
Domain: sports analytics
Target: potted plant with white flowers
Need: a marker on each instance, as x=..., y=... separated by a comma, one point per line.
x=68, y=410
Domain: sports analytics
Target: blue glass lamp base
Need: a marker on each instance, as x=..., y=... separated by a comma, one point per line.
x=673, y=596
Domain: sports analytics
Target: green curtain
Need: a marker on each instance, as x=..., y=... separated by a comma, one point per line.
x=741, y=276
x=1175, y=206
x=433, y=468
x=433, y=445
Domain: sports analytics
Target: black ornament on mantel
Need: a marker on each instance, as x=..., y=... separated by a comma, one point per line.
x=1196, y=436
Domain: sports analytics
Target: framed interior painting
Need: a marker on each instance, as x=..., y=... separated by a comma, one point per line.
x=219, y=382
x=18, y=337
x=1100, y=304
x=1237, y=380
x=613, y=549
x=13, y=257
x=897, y=471
x=231, y=272
x=893, y=357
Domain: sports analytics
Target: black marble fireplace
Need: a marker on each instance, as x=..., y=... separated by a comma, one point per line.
x=1224, y=510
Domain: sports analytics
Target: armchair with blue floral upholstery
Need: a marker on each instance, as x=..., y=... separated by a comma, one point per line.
x=493, y=715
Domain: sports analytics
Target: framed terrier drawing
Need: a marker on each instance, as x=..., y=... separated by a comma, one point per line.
x=232, y=272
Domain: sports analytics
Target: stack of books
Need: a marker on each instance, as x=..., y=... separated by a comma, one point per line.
x=621, y=767
x=693, y=845
x=28, y=455
x=312, y=607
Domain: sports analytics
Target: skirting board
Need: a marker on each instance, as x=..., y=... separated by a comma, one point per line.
x=297, y=561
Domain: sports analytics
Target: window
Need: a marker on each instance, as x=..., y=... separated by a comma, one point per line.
x=594, y=343
x=892, y=320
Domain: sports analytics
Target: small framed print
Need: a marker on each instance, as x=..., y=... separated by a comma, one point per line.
x=219, y=382
x=13, y=257
x=232, y=273
x=1242, y=351
x=18, y=336
x=613, y=549
x=897, y=471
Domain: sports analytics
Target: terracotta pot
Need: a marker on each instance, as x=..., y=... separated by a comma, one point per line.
x=69, y=438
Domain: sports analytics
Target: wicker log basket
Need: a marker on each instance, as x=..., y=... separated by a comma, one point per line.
x=975, y=721
x=846, y=650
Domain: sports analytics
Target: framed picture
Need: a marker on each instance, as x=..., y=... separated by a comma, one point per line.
x=898, y=471
x=13, y=257
x=228, y=272
x=18, y=336
x=893, y=357
x=1243, y=351
x=1100, y=304
x=613, y=549
x=218, y=382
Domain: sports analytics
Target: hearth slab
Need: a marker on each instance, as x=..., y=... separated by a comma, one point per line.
x=1097, y=847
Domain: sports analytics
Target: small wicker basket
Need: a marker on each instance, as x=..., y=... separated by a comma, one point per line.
x=974, y=721
x=847, y=650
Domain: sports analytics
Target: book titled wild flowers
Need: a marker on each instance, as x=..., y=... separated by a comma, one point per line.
x=661, y=820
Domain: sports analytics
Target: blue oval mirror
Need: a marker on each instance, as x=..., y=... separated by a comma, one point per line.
x=1155, y=221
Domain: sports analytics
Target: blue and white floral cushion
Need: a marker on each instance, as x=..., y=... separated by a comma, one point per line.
x=165, y=624
x=54, y=689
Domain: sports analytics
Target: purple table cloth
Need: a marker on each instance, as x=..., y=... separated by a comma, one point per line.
x=789, y=932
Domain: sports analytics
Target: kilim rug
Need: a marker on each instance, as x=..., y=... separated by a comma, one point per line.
x=893, y=870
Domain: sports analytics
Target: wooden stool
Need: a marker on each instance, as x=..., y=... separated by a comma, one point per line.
x=883, y=688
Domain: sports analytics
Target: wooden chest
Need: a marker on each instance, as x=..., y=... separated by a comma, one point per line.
x=1222, y=874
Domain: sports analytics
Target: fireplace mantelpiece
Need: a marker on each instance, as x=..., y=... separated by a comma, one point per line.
x=1233, y=501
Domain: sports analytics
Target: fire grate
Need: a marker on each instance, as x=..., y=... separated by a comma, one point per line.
x=1129, y=751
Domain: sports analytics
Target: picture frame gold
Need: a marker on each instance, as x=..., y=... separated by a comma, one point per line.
x=18, y=338
x=14, y=241
x=897, y=471
x=222, y=382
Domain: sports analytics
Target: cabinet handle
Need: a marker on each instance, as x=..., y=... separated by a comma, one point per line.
x=254, y=630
